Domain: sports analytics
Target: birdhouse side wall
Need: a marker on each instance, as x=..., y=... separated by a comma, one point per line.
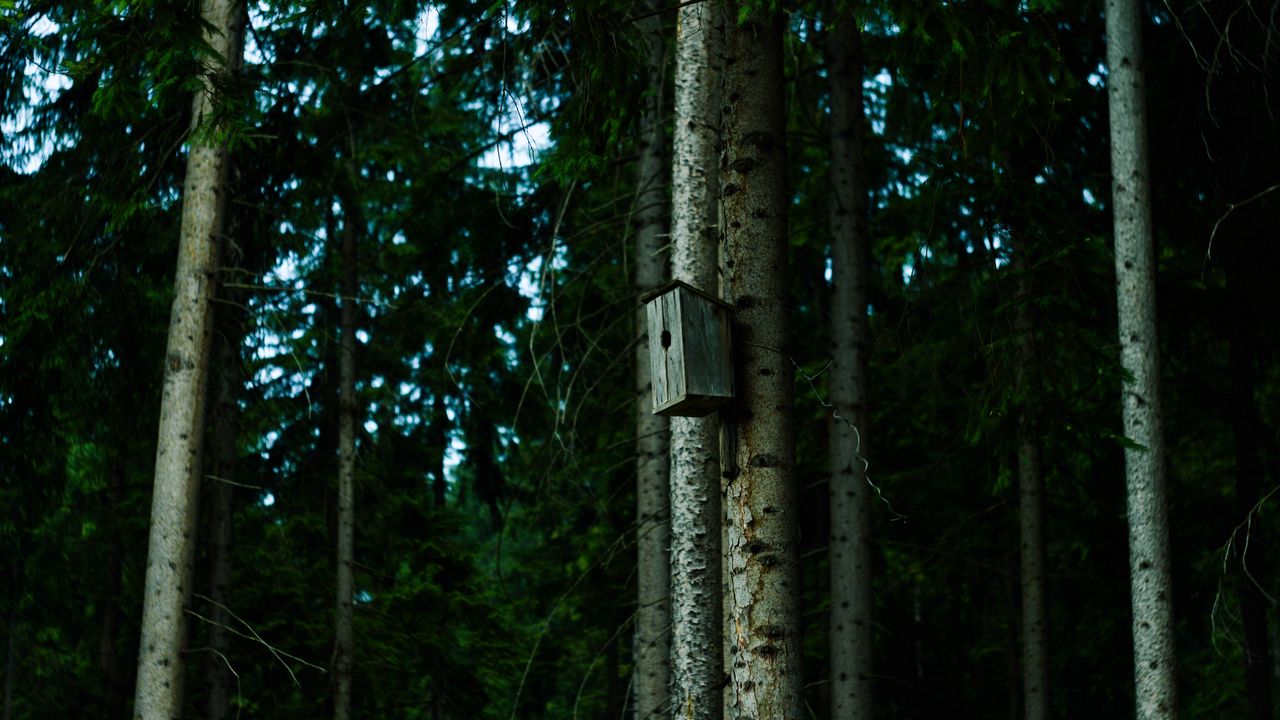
x=706, y=352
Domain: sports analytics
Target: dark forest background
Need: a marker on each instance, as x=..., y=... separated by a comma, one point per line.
x=487, y=150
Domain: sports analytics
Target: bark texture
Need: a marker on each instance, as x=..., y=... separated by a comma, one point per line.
x=344, y=641
x=761, y=522
x=850, y=628
x=653, y=519
x=697, y=672
x=1150, y=580
x=1035, y=629
x=171, y=544
x=218, y=683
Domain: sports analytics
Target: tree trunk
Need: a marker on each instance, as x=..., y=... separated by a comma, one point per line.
x=225, y=432
x=171, y=546
x=653, y=522
x=850, y=549
x=1013, y=669
x=762, y=551
x=114, y=688
x=1275, y=654
x=440, y=438
x=1032, y=549
x=10, y=667
x=921, y=692
x=1150, y=578
x=697, y=672
x=1244, y=421
x=490, y=483
x=615, y=694
x=343, y=632
x=1035, y=630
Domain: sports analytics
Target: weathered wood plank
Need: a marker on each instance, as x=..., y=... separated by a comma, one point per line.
x=657, y=363
x=688, y=352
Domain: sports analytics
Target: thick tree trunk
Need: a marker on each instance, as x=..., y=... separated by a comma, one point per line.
x=697, y=672
x=344, y=641
x=762, y=551
x=171, y=546
x=221, y=491
x=850, y=628
x=653, y=521
x=1150, y=577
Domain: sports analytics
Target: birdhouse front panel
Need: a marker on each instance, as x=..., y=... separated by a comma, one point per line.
x=688, y=352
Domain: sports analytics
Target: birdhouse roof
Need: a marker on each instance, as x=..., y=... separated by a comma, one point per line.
x=664, y=289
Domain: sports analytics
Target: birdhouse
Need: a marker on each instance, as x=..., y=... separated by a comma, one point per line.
x=688, y=351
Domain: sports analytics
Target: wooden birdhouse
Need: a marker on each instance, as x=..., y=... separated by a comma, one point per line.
x=688, y=351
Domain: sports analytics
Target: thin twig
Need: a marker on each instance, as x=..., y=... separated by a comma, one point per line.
x=232, y=670
x=659, y=11
x=835, y=415
x=315, y=293
x=1231, y=207
x=233, y=482
x=279, y=654
x=1247, y=526
x=587, y=675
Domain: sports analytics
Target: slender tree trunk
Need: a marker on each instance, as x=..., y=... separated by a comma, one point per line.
x=1244, y=421
x=1013, y=668
x=922, y=695
x=440, y=438
x=1150, y=577
x=225, y=432
x=762, y=553
x=1035, y=629
x=114, y=689
x=697, y=672
x=344, y=641
x=653, y=521
x=1031, y=510
x=490, y=483
x=850, y=629
x=171, y=546
x=615, y=694
x=10, y=667
x=1275, y=654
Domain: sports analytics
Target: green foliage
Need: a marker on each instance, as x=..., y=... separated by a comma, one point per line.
x=497, y=309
